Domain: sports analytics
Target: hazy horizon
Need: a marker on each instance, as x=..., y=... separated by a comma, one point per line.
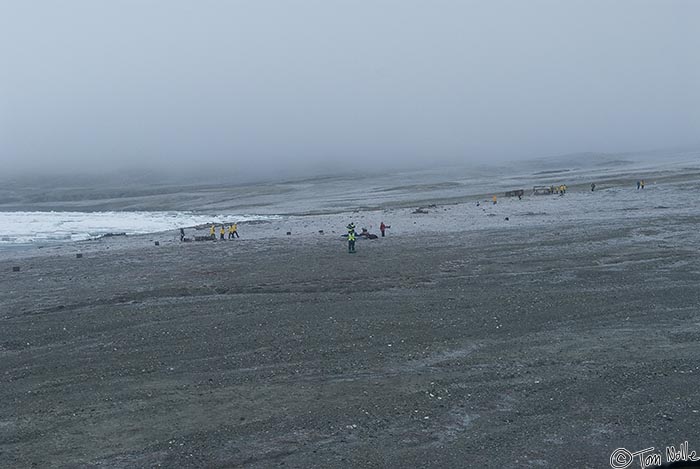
x=279, y=90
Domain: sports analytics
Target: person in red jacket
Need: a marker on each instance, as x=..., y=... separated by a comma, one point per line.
x=382, y=228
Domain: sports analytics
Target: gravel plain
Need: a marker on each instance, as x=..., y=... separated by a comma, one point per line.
x=515, y=346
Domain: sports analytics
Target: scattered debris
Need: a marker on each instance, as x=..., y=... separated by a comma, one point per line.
x=542, y=190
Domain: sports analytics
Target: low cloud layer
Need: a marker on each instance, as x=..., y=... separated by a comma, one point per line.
x=275, y=87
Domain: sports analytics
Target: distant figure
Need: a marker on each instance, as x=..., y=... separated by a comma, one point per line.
x=495, y=199
x=234, y=230
x=478, y=204
x=520, y=197
x=230, y=232
x=642, y=183
x=639, y=184
x=212, y=231
x=382, y=228
x=351, y=241
x=592, y=186
x=182, y=234
x=222, y=232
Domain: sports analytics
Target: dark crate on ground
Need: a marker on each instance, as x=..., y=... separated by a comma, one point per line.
x=516, y=193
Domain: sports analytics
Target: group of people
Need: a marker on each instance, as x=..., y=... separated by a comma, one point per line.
x=640, y=184
x=561, y=189
x=232, y=231
x=352, y=235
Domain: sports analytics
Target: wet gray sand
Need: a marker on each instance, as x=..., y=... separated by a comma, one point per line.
x=535, y=347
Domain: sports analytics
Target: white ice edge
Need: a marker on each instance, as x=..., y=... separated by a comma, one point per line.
x=30, y=227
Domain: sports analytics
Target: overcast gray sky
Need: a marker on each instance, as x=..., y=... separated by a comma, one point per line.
x=257, y=85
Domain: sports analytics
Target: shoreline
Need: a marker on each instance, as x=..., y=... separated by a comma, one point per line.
x=604, y=206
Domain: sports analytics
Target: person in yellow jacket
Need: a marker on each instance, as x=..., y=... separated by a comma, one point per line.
x=212, y=231
x=351, y=241
x=234, y=231
x=495, y=199
x=222, y=232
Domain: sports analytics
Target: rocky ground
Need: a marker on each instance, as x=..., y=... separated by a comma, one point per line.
x=518, y=347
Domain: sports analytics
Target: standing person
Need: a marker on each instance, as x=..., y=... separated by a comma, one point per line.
x=234, y=230
x=212, y=231
x=351, y=241
x=230, y=232
x=182, y=234
x=222, y=232
x=495, y=199
x=639, y=184
x=382, y=228
x=642, y=183
x=592, y=186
